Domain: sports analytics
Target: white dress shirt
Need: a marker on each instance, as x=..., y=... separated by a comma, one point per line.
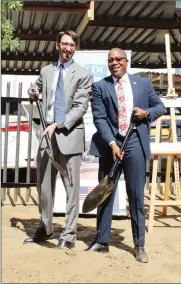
x=128, y=96
x=50, y=113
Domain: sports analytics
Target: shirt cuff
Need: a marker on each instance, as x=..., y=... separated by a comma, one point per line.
x=59, y=125
x=112, y=142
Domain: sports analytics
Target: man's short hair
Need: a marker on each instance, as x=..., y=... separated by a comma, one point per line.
x=69, y=33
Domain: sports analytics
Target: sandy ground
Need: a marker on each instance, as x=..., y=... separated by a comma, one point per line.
x=41, y=263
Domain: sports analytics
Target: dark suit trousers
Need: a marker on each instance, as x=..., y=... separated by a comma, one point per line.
x=134, y=168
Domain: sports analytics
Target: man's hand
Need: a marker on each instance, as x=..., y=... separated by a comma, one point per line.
x=33, y=93
x=140, y=114
x=116, y=151
x=50, y=130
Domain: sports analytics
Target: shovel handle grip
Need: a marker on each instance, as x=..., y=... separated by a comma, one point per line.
x=114, y=167
x=42, y=118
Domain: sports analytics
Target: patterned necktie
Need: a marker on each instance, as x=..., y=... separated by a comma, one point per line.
x=122, y=115
x=59, y=109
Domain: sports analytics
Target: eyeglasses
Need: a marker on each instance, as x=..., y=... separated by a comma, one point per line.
x=117, y=59
x=66, y=44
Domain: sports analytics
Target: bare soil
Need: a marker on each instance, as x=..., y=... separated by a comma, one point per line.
x=41, y=263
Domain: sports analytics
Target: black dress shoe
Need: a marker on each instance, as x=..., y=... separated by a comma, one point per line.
x=98, y=247
x=140, y=254
x=39, y=236
x=63, y=244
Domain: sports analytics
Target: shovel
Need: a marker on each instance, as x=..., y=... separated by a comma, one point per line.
x=49, y=146
x=102, y=191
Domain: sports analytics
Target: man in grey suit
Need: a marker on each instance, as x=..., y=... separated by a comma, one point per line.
x=65, y=88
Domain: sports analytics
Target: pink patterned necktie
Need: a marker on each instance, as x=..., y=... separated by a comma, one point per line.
x=122, y=115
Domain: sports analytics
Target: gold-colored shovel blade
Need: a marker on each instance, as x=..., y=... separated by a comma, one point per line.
x=98, y=195
x=56, y=165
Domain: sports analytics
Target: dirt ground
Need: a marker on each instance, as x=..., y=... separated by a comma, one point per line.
x=41, y=263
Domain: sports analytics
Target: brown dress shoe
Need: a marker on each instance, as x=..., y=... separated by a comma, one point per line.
x=63, y=244
x=140, y=254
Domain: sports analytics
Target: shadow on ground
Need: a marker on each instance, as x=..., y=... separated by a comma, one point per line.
x=85, y=234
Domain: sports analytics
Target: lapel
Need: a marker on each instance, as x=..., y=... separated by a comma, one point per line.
x=111, y=89
x=51, y=74
x=69, y=75
x=50, y=78
x=135, y=89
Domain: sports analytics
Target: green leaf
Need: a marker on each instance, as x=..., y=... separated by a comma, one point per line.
x=7, y=26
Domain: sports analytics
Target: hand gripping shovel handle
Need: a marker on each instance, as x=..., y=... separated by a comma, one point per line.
x=101, y=192
x=49, y=149
x=123, y=146
x=42, y=118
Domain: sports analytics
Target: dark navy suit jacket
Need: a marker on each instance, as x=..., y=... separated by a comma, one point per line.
x=104, y=105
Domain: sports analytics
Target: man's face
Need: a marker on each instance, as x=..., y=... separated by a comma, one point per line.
x=117, y=63
x=66, y=48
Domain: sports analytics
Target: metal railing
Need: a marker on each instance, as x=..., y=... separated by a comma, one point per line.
x=6, y=106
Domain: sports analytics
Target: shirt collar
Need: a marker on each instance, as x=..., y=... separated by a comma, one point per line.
x=125, y=78
x=65, y=65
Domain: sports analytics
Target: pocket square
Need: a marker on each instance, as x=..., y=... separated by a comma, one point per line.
x=134, y=83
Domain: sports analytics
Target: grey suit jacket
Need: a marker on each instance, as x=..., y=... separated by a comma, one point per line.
x=77, y=85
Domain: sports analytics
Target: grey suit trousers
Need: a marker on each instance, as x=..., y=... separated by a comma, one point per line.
x=46, y=179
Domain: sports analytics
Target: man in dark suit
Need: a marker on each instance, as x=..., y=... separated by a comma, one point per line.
x=65, y=88
x=113, y=99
